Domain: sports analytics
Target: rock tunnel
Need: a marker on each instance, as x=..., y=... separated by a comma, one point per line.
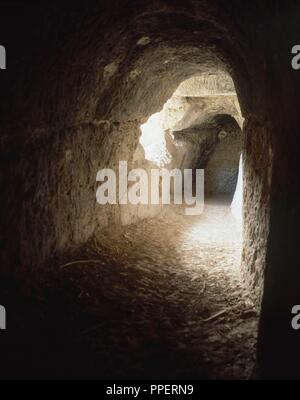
x=77, y=278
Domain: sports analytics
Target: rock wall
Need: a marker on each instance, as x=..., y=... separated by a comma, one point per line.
x=187, y=112
x=221, y=169
x=214, y=146
x=68, y=83
x=50, y=190
x=257, y=166
x=207, y=84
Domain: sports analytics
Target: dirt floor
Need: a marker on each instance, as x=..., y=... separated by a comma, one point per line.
x=160, y=299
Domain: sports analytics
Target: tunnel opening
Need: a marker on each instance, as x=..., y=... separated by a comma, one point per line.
x=199, y=127
x=156, y=293
x=192, y=131
x=145, y=263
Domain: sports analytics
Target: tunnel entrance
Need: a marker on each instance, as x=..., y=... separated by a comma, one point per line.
x=191, y=311
x=200, y=127
x=159, y=294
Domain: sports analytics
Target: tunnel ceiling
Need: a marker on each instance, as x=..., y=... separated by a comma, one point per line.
x=124, y=64
x=207, y=84
x=123, y=60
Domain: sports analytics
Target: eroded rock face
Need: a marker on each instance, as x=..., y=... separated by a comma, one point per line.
x=257, y=186
x=207, y=84
x=81, y=82
x=214, y=146
x=221, y=170
x=186, y=112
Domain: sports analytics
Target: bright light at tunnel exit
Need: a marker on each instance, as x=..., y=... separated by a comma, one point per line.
x=154, y=142
x=237, y=203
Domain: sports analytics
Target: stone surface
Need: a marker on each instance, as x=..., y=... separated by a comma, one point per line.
x=207, y=84
x=221, y=169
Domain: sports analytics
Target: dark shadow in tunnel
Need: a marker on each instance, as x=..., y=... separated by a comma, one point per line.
x=217, y=143
x=222, y=164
